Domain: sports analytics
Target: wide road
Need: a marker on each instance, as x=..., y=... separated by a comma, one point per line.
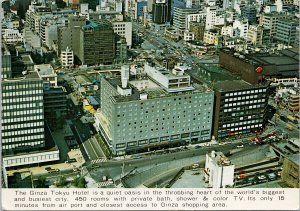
x=113, y=169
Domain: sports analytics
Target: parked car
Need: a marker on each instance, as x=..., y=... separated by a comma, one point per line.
x=240, y=146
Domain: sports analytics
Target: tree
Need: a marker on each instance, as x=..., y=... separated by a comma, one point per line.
x=62, y=181
x=79, y=182
x=41, y=182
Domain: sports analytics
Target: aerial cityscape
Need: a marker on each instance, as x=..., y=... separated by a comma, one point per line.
x=150, y=93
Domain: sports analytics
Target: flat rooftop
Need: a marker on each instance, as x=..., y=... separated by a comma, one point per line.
x=153, y=91
x=232, y=85
x=44, y=69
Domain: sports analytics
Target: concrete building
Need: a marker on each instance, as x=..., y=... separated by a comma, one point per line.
x=55, y=106
x=11, y=36
x=286, y=31
x=259, y=66
x=255, y=35
x=47, y=73
x=187, y=35
x=211, y=36
x=97, y=43
x=124, y=29
x=67, y=58
x=161, y=11
x=180, y=18
x=269, y=21
x=249, y=12
x=214, y=17
x=239, y=107
x=69, y=36
x=162, y=109
x=5, y=62
x=198, y=29
x=290, y=172
x=227, y=31
x=240, y=28
x=219, y=172
x=199, y=18
x=23, y=114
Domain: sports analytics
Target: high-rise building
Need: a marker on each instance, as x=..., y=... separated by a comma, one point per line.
x=5, y=62
x=165, y=109
x=180, y=15
x=97, y=43
x=249, y=12
x=23, y=114
x=161, y=11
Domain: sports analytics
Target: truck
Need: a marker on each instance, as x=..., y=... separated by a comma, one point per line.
x=289, y=126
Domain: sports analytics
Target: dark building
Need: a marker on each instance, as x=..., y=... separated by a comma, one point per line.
x=22, y=7
x=55, y=106
x=97, y=43
x=68, y=36
x=161, y=11
x=240, y=108
x=256, y=67
x=198, y=28
x=249, y=12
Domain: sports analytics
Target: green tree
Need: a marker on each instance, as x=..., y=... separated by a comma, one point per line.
x=62, y=181
x=41, y=182
x=79, y=182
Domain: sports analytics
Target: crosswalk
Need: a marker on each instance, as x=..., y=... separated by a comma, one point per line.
x=99, y=160
x=104, y=184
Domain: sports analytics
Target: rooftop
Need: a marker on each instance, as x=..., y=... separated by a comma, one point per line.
x=44, y=69
x=232, y=85
x=294, y=158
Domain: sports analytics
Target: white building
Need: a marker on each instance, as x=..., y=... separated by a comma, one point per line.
x=219, y=172
x=240, y=28
x=187, y=35
x=11, y=36
x=84, y=9
x=67, y=57
x=124, y=29
x=227, y=31
x=47, y=73
x=214, y=17
x=194, y=18
x=255, y=35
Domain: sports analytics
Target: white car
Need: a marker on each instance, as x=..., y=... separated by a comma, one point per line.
x=240, y=146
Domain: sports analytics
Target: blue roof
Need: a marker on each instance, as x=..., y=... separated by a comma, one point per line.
x=90, y=24
x=92, y=100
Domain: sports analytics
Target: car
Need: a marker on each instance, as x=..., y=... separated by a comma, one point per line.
x=271, y=176
x=240, y=146
x=136, y=157
x=197, y=147
x=48, y=168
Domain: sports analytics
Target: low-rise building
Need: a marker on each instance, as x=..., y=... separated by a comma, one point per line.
x=67, y=58
x=47, y=73
x=290, y=172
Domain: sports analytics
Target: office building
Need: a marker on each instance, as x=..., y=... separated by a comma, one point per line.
x=240, y=107
x=69, y=35
x=55, y=106
x=219, y=172
x=97, y=43
x=259, y=66
x=286, y=31
x=5, y=62
x=180, y=16
x=161, y=11
x=249, y=12
x=255, y=35
x=22, y=114
x=163, y=109
x=124, y=29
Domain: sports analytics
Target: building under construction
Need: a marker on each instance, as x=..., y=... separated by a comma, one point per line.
x=97, y=43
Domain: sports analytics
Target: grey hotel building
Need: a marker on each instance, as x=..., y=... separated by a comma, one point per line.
x=160, y=109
